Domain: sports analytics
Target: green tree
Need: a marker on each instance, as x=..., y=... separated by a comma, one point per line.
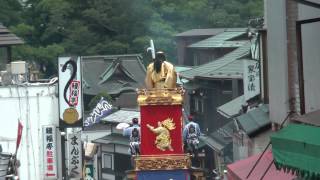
x=10, y=12
x=90, y=27
x=94, y=101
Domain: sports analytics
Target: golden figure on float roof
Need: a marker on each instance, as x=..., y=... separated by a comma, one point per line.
x=160, y=73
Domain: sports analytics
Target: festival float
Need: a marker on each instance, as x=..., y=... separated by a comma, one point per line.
x=161, y=150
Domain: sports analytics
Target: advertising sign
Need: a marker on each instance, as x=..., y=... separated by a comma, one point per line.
x=50, y=152
x=70, y=92
x=74, y=155
x=251, y=79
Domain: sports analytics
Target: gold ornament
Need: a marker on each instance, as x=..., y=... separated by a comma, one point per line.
x=168, y=162
x=163, y=139
x=160, y=96
x=70, y=115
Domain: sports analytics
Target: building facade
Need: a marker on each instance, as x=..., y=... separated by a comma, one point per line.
x=117, y=75
x=34, y=105
x=293, y=57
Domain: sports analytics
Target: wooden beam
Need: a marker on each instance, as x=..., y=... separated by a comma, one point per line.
x=308, y=21
x=309, y=3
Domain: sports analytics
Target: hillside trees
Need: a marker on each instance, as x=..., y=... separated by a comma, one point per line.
x=90, y=27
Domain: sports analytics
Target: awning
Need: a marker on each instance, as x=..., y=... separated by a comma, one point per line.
x=297, y=148
x=220, y=138
x=231, y=108
x=213, y=144
x=311, y=118
x=255, y=119
x=113, y=138
x=240, y=169
x=221, y=141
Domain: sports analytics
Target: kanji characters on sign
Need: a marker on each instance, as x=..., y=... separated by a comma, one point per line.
x=50, y=158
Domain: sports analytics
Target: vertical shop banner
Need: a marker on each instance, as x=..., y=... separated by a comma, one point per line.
x=70, y=92
x=49, y=152
x=166, y=124
x=251, y=78
x=74, y=155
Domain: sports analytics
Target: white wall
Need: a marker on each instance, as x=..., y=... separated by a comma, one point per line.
x=35, y=106
x=277, y=59
x=311, y=57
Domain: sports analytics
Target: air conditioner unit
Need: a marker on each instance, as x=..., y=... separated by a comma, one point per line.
x=18, y=67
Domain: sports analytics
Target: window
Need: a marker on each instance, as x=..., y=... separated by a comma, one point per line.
x=198, y=105
x=107, y=161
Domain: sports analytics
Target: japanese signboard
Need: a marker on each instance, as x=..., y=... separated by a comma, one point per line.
x=74, y=155
x=70, y=92
x=49, y=152
x=251, y=79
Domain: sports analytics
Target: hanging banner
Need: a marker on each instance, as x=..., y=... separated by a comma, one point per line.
x=19, y=135
x=102, y=109
x=74, y=155
x=49, y=152
x=70, y=92
x=251, y=79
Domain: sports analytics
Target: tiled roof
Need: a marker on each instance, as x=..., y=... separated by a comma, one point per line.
x=122, y=116
x=201, y=32
x=232, y=70
x=207, y=32
x=211, y=43
x=112, y=73
x=113, y=138
x=180, y=69
x=231, y=108
x=228, y=66
x=254, y=119
x=219, y=139
x=7, y=38
x=221, y=40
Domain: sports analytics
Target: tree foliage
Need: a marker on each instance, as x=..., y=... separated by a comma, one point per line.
x=94, y=101
x=90, y=27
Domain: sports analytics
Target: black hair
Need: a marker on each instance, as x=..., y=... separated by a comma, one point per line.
x=191, y=129
x=160, y=57
x=135, y=121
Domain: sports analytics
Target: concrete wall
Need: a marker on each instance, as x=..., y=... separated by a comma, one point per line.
x=35, y=106
x=277, y=59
